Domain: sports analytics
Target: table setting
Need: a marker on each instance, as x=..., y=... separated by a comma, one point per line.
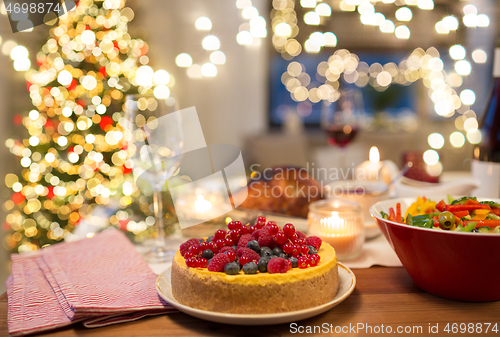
x=111, y=283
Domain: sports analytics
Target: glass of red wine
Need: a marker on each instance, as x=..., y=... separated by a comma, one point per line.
x=340, y=120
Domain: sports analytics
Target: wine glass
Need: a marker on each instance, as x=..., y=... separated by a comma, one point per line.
x=340, y=120
x=154, y=140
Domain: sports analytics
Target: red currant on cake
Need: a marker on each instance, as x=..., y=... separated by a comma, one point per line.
x=195, y=250
x=231, y=254
x=293, y=237
x=204, y=246
x=190, y=262
x=235, y=234
x=244, y=260
x=219, y=234
x=304, y=249
x=280, y=237
x=314, y=259
x=287, y=247
x=273, y=228
x=228, y=241
x=289, y=229
x=220, y=243
x=237, y=224
x=213, y=247
x=201, y=262
x=303, y=262
x=295, y=249
x=261, y=219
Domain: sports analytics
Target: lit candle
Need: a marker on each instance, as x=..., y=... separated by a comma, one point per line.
x=374, y=169
x=340, y=224
x=201, y=205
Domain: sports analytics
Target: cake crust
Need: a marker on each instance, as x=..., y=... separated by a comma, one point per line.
x=260, y=293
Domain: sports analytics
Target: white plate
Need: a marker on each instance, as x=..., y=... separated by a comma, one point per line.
x=347, y=282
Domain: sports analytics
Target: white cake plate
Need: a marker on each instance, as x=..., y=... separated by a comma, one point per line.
x=347, y=282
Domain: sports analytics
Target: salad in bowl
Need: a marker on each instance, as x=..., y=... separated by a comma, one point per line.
x=465, y=214
x=445, y=243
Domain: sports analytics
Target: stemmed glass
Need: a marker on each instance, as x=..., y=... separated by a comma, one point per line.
x=340, y=120
x=154, y=141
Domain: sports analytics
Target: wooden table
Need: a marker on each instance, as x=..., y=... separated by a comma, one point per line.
x=382, y=296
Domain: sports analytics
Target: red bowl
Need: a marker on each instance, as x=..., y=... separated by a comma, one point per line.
x=459, y=266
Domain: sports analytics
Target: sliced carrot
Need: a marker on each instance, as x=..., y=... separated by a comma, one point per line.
x=485, y=223
x=441, y=206
x=392, y=215
x=398, y=212
x=472, y=202
x=457, y=208
x=461, y=214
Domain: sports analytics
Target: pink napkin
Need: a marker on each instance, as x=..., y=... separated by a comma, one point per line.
x=101, y=281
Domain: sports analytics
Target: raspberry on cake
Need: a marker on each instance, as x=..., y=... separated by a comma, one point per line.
x=284, y=266
x=277, y=265
x=218, y=262
x=244, y=239
x=250, y=254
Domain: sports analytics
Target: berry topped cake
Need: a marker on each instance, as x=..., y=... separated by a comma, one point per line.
x=255, y=269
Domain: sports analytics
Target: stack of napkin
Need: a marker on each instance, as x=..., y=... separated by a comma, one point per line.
x=100, y=281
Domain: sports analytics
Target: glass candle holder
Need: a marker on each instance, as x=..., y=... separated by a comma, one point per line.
x=339, y=223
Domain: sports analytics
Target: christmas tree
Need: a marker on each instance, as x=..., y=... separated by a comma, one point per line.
x=73, y=158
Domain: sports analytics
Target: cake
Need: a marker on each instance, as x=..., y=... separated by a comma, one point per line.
x=303, y=281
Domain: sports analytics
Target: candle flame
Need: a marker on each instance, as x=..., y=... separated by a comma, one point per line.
x=374, y=155
x=332, y=224
x=201, y=205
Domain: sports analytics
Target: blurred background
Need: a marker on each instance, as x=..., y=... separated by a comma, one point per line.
x=261, y=75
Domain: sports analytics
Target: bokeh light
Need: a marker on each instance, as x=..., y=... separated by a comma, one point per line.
x=468, y=96
x=312, y=18
x=457, y=52
x=457, y=139
x=183, y=60
x=435, y=140
x=203, y=23
x=431, y=157
x=211, y=42
x=474, y=136
x=463, y=67
x=209, y=70
x=402, y=32
x=479, y=56
x=404, y=14
x=218, y=57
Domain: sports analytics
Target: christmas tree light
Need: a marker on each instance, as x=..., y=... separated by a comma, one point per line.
x=73, y=159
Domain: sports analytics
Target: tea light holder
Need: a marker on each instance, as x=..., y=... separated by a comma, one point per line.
x=339, y=223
